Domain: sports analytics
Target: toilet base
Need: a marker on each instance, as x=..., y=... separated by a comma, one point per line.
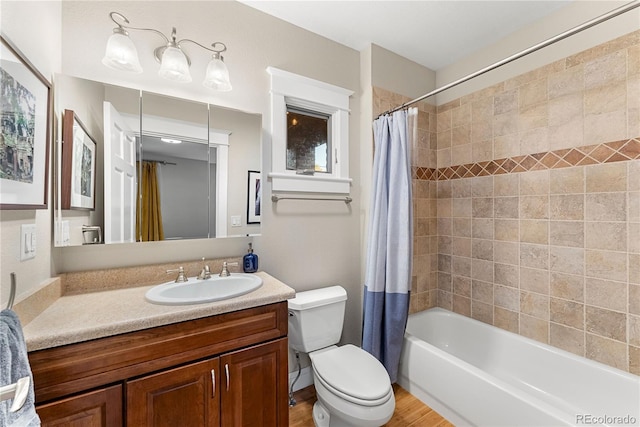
x=332, y=411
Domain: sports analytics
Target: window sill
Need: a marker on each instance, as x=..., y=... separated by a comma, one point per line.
x=309, y=184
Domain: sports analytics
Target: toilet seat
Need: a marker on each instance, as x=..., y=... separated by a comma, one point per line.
x=353, y=374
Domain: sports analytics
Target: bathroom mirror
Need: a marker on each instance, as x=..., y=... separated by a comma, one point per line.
x=166, y=168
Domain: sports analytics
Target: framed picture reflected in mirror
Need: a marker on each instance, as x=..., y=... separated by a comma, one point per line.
x=254, y=198
x=78, y=178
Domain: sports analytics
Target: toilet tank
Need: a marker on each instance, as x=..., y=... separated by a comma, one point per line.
x=316, y=318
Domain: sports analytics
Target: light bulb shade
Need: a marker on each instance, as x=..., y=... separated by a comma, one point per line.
x=174, y=65
x=217, y=76
x=121, y=54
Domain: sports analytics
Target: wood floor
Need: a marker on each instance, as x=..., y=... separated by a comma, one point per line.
x=410, y=412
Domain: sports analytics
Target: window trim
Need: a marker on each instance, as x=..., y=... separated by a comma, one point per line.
x=289, y=89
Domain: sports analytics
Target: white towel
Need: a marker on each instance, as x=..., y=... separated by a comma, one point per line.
x=14, y=364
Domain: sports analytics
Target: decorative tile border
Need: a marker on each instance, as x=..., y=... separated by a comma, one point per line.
x=617, y=151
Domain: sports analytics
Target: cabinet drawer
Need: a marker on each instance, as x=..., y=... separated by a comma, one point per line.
x=100, y=408
x=60, y=371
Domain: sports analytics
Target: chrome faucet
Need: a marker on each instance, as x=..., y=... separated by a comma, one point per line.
x=205, y=273
x=181, y=276
x=225, y=271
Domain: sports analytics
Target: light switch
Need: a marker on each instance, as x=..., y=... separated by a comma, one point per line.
x=236, y=221
x=27, y=241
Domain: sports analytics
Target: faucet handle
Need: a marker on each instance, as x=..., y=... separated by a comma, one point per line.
x=225, y=271
x=181, y=276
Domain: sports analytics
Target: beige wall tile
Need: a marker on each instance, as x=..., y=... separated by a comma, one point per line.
x=606, y=323
x=634, y=299
x=634, y=330
x=566, y=82
x=482, y=249
x=607, y=99
x=444, y=300
x=461, y=286
x=482, y=291
x=534, y=231
x=461, y=188
x=461, y=266
x=444, y=263
x=605, y=70
x=444, y=207
x=482, y=228
x=505, y=102
x=534, y=183
x=506, y=146
x=606, y=178
x=461, y=227
x=534, y=280
x=507, y=274
x=534, y=117
x=567, y=286
x=506, y=207
x=482, y=270
x=506, y=319
x=482, y=130
x=482, y=186
x=634, y=205
x=534, y=328
x=634, y=175
x=444, y=226
x=568, y=134
x=533, y=93
x=482, y=312
x=606, y=294
x=567, y=313
x=444, y=157
x=566, y=233
x=566, y=207
x=506, y=252
x=568, y=180
x=482, y=151
x=508, y=185
x=534, y=141
x=607, y=351
x=534, y=256
x=535, y=305
x=506, y=297
x=461, y=154
x=634, y=360
x=461, y=246
x=507, y=229
x=606, y=265
x=505, y=124
x=482, y=207
x=599, y=128
x=606, y=235
x=606, y=207
x=461, y=208
x=566, y=260
x=482, y=109
x=568, y=339
x=634, y=268
x=443, y=189
x=534, y=207
x=461, y=305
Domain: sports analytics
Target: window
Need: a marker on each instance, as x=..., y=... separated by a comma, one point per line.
x=310, y=134
x=308, y=141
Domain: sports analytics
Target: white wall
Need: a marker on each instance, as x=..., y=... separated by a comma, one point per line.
x=568, y=17
x=37, y=35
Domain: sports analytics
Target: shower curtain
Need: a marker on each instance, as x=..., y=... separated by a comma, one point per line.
x=149, y=211
x=390, y=249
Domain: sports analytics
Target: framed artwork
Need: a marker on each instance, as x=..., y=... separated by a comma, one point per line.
x=25, y=122
x=254, y=198
x=78, y=177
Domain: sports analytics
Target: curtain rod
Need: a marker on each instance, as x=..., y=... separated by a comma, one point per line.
x=586, y=25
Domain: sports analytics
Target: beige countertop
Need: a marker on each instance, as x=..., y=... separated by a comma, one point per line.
x=75, y=318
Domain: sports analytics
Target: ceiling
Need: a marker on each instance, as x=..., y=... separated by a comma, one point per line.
x=433, y=33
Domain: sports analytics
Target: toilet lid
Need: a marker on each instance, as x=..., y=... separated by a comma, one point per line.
x=353, y=372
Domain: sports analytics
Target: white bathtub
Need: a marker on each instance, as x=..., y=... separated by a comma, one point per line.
x=475, y=374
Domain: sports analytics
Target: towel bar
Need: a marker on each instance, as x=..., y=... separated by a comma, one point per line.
x=12, y=292
x=347, y=200
x=18, y=392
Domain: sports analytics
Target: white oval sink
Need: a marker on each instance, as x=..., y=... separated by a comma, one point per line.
x=200, y=291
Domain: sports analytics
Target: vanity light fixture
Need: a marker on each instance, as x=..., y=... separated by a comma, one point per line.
x=121, y=54
x=171, y=140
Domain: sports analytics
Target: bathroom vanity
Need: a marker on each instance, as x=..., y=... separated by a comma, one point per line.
x=225, y=369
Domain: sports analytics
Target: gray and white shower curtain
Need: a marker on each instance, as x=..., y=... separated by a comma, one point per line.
x=390, y=247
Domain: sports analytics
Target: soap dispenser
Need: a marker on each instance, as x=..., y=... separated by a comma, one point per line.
x=250, y=261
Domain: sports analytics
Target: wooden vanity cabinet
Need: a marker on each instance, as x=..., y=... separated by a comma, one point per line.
x=224, y=370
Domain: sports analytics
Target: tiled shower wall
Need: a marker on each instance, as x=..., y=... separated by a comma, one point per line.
x=527, y=204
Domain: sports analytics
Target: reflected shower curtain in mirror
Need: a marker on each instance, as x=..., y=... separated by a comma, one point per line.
x=390, y=247
x=148, y=211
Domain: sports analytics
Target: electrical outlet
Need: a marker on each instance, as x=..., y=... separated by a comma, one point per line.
x=27, y=241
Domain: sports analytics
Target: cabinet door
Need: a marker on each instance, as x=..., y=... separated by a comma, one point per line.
x=255, y=386
x=100, y=408
x=180, y=397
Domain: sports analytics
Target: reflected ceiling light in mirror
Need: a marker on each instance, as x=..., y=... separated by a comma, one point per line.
x=171, y=140
x=121, y=54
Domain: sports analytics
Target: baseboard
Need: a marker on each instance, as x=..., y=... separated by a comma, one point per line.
x=305, y=380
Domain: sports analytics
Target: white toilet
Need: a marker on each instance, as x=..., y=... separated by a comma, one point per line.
x=352, y=386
